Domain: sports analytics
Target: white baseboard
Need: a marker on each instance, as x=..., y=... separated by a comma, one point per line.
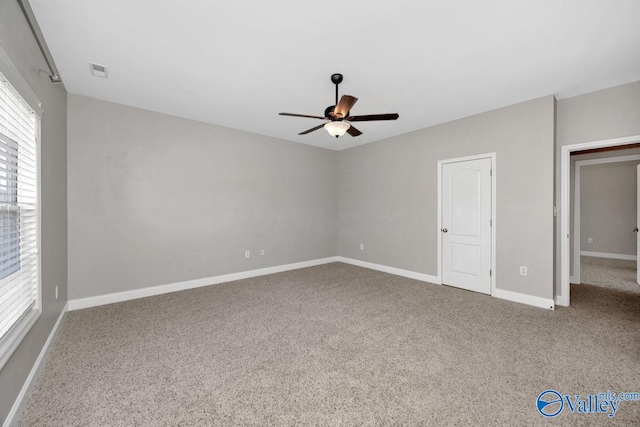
x=15, y=409
x=610, y=256
x=391, y=270
x=547, y=303
x=574, y=280
x=80, y=303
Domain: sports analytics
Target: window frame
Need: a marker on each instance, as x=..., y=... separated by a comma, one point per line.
x=18, y=331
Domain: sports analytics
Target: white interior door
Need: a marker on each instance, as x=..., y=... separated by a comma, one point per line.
x=637, y=220
x=466, y=225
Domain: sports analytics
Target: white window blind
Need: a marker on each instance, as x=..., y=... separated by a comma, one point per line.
x=19, y=264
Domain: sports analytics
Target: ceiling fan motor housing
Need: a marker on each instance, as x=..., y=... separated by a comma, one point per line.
x=328, y=113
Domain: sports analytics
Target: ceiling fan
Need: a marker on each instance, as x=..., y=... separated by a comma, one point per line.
x=339, y=115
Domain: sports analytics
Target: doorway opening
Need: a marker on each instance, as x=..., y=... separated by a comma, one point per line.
x=563, y=297
x=579, y=248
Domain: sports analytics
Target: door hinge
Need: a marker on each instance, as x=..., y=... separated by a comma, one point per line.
x=491, y=223
x=490, y=273
x=490, y=172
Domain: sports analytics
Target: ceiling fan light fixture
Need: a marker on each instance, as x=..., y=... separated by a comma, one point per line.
x=337, y=128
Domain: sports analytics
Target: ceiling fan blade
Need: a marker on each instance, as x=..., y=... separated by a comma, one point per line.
x=373, y=117
x=311, y=130
x=353, y=131
x=302, y=115
x=343, y=107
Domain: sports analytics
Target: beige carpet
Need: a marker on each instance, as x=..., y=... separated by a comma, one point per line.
x=609, y=273
x=336, y=345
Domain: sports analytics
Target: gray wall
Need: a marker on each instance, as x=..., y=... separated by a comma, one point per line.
x=16, y=40
x=604, y=114
x=608, y=207
x=388, y=194
x=156, y=199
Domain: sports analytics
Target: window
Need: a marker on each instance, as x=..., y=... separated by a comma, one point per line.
x=19, y=259
x=9, y=218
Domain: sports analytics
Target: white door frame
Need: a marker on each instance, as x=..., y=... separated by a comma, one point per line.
x=491, y=156
x=565, y=194
x=576, y=205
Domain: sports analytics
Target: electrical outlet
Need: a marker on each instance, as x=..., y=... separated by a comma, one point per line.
x=362, y=246
x=56, y=292
x=590, y=240
x=523, y=271
x=262, y=252
x=247, y=254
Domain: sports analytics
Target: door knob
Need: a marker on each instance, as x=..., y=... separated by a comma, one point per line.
x=634, y=229
x=444, y=230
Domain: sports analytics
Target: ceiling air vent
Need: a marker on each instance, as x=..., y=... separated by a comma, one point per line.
x=98, y=70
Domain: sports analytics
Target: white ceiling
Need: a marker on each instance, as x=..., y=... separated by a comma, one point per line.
x=239, y=63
